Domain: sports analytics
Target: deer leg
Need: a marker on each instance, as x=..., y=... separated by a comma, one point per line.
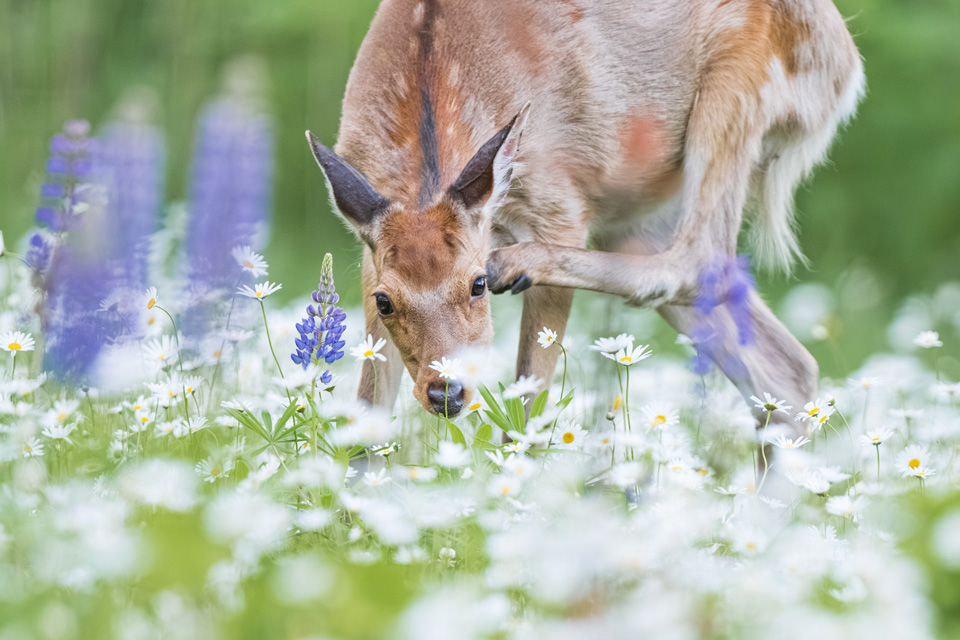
x=772, y=361
x=542, y=307
x=379, y=381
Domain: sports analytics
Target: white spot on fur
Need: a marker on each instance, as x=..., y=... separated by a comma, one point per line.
x=453, y=75
x=418, y=14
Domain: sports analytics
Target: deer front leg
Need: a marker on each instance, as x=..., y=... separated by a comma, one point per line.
x=379, y=381
x=542, y=307
x=641, y=280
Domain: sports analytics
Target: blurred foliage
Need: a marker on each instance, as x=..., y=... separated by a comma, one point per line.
x=886, y=205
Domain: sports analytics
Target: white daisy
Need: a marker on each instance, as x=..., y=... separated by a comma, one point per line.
x=451, y=455
x=876, y=437
x=912, y=458
x=928, y=340
x=546, y=337
x=250, y=261
x=771, y=404
x=447, y=369
x=150, y=299
x=16, y=341
x=525, y=385
x=612, y=345
x=32, y=448
x=161, y=352
x=367, y=350
x=372, y=479
x=260, y=290
x=212, y=470
x=569, y=436
x=660, y=416
x=60, y=432
x=629, y=355
x=784, y=442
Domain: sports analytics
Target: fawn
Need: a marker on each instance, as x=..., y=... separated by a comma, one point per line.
x=648, y=127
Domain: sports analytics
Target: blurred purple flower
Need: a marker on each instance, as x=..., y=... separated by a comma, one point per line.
x=725, y=287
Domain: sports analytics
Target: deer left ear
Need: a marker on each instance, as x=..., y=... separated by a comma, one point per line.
x=486, y=179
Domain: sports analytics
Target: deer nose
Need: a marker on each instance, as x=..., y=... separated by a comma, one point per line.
x=446, y=397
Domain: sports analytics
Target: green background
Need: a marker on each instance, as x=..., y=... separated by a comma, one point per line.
x=888, y=200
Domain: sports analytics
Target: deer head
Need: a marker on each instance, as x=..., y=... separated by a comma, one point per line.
x=429, y=282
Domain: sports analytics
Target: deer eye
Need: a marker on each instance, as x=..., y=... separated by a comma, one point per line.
x=384, y=306
x=479, y=286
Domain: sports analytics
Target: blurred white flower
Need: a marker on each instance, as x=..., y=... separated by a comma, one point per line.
x=612, y=345
x=260, y=290
x=876, y=437
x=367, y=350
x=451, y=455
x=629, y=355
x=928, y=340
x=525, y=385
x=250, y=261
x=446, y=369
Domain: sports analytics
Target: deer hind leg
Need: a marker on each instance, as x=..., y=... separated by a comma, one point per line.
x=772, y=361
x=380, y=387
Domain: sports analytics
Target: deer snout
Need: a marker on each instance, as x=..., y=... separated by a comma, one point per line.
x=446, y=397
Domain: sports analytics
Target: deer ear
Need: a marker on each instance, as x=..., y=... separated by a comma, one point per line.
x=486, y=178
x=351, y=193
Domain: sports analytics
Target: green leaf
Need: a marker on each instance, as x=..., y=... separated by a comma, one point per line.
x=539, y=404
x=500, y=420
x=518, y=416
x=455, y=434
x=482, y=439
x=247, y=420
x=267, y=420
x=492, y=405
x=567, y=399
x=286, y=415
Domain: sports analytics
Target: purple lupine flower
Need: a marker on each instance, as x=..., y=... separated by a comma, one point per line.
x=230, y=190
x=229, y=203
x=321, y=332
x=72, y=266
x=725, y=287
x=131, y=162
x=63, y=196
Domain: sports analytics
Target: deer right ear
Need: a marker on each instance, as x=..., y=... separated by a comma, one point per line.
x=351, y=193
x=486, y=178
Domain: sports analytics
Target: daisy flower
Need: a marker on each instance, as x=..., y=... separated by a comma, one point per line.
x=876, y=437
x=60, y=432
x=912, y=458
x=612, y=345
x=250, y=261
x=211, y=470
x=16, y=341
x=784, y=442
x=569, y=436
x=923, y=472
x=928, y=340
x=150, y=299
x=867, y=382
x=260, y=290
x=503, y=485
x=32, y=448
x=546, y=337
x=451, y=455
x=629, y=355
x=161, y=352
x=446, y=369
x=811, y=410
x=771, y=404
x=525, y=385
x=660, y=416
x=367, y=350
x=372, y=479
x=846, y=507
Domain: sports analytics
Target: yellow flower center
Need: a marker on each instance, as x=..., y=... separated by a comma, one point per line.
x=474, y=406
x=27, y=448
x=162, y=356
x=875, y=440
x=214, y=472
x=813, y=411
x=750, y=546
x=14, y=346
x=248, y=264
x=259, y=293
x=145, y=419
x=61, y=417
x=150, y=321
x=505, y=490
x=659, y=420
x=568, y=437
x=216, y=353
x=151, y=302
x=914, y=463
x=676, y=467
x=368, y=353
x=137, y=407
x=626, y=359
x=703, y=472
x=616, y=403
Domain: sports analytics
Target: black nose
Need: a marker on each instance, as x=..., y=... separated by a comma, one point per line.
x=446, y=397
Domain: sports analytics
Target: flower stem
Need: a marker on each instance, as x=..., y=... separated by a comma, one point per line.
x=878, y=463
x=763, y=452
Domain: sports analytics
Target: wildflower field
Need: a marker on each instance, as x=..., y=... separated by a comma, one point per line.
x=182, y=457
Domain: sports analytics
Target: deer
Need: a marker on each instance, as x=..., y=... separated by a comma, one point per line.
x=544, y=146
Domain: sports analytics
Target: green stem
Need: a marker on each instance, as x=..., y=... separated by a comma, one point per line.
x=563, y=380
x=763, y=451
x=878, y=463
